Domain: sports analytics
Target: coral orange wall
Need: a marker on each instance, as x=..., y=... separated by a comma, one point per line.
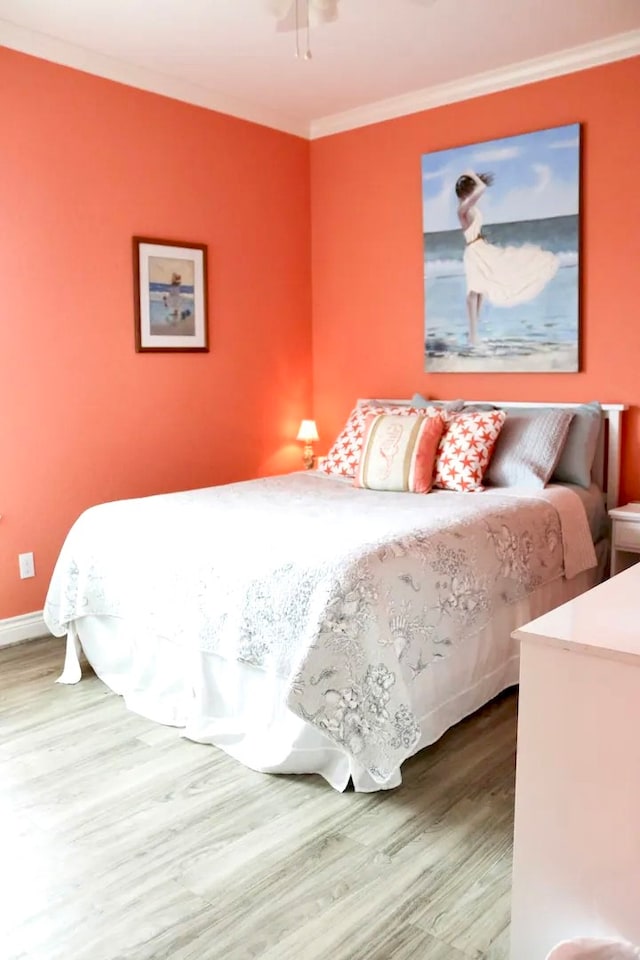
x=367, y=250
x=86, y=164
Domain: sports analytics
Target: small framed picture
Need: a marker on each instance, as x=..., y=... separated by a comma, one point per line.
x=170, y=295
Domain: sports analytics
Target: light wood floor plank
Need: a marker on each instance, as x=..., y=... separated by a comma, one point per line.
x=127, y=842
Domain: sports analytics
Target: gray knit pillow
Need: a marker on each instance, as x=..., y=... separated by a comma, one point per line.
x=447, y=406
x=528, y=448
x=574, y=466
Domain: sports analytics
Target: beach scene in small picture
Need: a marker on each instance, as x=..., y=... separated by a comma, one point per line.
x=501, y=254
x=171, y=297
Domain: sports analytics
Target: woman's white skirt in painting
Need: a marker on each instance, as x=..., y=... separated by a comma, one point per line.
x=507, y=276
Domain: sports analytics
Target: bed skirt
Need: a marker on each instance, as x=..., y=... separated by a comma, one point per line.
x=241, y=709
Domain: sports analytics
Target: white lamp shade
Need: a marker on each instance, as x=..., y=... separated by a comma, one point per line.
x=308, y=431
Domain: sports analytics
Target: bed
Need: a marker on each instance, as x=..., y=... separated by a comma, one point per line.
x=306, y=626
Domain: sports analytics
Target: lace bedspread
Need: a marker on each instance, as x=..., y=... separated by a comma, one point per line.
x=344, y=592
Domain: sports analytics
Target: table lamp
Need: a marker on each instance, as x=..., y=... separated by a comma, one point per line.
x=308, y=433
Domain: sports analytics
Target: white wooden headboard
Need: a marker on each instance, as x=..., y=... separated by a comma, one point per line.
x=606, y=467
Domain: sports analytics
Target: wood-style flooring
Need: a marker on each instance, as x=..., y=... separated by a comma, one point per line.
x=120, y=839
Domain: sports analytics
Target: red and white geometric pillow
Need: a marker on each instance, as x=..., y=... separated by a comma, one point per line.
x=465, y=450
x=344, y=456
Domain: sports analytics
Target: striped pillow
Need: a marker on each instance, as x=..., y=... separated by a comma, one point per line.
x=398, y=453
x=344, y=455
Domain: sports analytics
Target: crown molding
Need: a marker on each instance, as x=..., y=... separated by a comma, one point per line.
x=619, y=47
x=70, y=55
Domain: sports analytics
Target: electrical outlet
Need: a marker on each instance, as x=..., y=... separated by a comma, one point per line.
x=27, y=568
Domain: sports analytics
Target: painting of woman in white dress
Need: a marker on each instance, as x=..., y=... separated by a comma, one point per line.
x=501, y=254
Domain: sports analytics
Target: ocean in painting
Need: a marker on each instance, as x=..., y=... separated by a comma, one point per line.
x=160, y=309
x=550, y=318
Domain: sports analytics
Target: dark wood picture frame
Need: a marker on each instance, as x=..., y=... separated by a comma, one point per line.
x=170, y=296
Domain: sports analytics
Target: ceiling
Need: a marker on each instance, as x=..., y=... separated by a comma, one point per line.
x=380, y=58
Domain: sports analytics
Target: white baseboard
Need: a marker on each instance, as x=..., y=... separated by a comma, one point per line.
x=28, y=626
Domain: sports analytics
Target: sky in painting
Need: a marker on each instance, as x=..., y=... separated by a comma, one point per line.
x=161, y=270
x=536, y=176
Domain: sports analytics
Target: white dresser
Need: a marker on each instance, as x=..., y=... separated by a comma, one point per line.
x=576, y=869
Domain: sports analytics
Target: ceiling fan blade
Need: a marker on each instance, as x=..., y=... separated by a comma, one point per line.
x=323, y=11
x=288, y=21
x=280, y=8
x=313, y=13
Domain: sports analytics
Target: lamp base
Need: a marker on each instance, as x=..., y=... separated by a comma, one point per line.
x=308, y=457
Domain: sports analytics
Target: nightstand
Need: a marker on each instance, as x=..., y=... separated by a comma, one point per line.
x=625, y=537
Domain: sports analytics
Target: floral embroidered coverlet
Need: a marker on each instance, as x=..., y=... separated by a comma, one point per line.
x=340, y=591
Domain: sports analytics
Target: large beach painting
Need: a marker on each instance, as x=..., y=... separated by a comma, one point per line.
x=501, y=254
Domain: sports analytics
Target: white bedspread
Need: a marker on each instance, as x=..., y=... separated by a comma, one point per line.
x=347, y=594
x=578, y=549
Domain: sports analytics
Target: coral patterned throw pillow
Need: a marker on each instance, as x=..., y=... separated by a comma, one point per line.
x=344, y=456
x=465, y=450
x=399, y=453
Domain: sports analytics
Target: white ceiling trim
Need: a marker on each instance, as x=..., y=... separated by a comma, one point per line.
x=70, y=55
x=618, y=47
